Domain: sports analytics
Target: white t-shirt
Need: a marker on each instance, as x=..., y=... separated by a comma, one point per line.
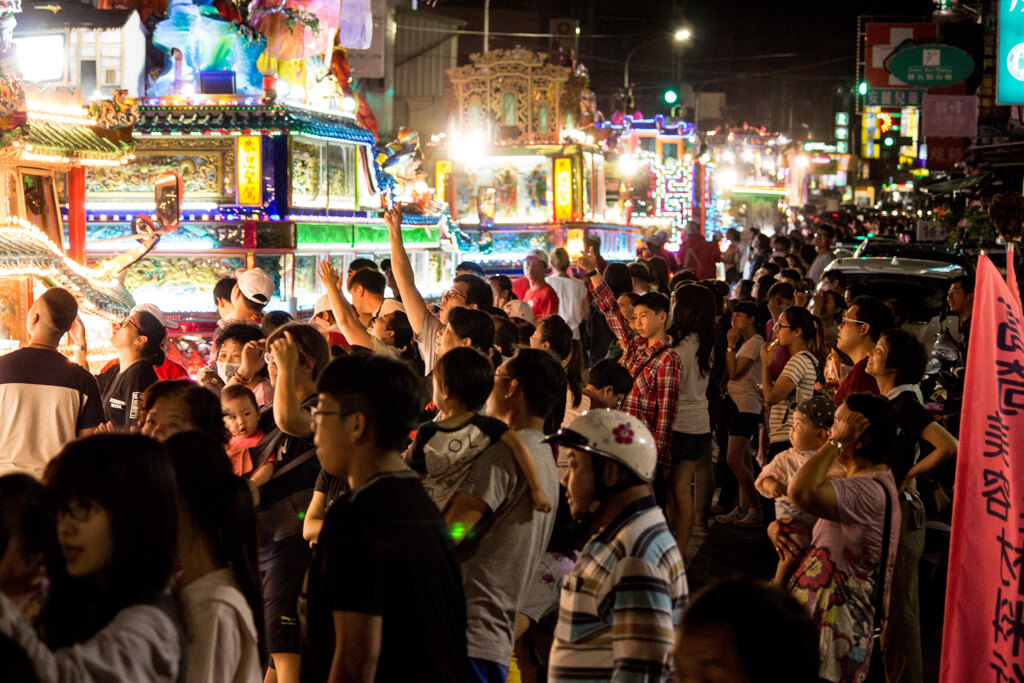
x=572, y=300
x=802, y=369
x=692, y=410
x=743, y=391
x=222, y=638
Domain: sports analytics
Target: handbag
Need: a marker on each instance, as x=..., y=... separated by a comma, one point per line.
x=876, y=668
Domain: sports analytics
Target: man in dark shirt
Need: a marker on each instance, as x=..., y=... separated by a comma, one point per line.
x=961, y=302
x=384, y=597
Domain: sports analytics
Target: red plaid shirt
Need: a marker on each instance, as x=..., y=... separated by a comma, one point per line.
x=655, y=391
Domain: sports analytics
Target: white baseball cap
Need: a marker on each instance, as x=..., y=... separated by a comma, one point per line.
x=517, y=308
x=156, y=313
x=255, y=284
x=322, y=304
x=389, y=306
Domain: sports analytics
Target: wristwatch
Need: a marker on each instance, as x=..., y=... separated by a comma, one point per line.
x=594, y=272
x=838, y=444
x=730, y=349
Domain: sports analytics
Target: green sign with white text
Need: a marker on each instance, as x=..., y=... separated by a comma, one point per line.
x=932, y=66
x=1010, y=53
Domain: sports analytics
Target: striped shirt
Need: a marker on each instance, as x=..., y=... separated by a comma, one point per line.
x=802, y=370
x=621, y=604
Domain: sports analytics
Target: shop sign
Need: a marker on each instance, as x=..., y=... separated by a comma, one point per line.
x=563, y=188
x=894, y=97
x=933, y=66
x=250, y=172
x=950, y=116
x=1010, y=53
x=882, y=40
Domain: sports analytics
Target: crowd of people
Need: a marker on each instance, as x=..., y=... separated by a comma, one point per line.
x=397, y=491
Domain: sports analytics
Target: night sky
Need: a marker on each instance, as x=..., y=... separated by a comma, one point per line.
x=810, y=46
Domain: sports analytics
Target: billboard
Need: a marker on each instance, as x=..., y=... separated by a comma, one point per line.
x=882, y=40
x=1010, y=53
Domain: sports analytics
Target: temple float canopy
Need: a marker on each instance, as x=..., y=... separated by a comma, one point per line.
x=42, y=137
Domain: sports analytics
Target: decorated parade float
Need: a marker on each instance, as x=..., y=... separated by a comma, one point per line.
x=517, y=167
x=278, y=156
x=49, y=143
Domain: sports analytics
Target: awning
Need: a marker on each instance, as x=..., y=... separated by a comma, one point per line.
x=956, y=184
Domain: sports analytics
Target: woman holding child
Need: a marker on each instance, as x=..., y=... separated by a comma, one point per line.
x=844, y=574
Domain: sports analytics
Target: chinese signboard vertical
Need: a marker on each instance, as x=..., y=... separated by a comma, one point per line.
x=1010, y=53
x=984, y=621
x=563, y=189
x=250, y=170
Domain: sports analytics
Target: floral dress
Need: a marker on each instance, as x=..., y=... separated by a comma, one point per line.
x=836, y=579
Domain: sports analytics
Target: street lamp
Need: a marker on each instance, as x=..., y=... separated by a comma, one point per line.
x=680, y=36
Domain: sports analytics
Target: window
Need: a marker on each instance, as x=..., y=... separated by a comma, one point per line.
x=508, y=106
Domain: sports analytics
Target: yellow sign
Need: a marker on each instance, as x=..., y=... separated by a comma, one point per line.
x=563, y=189
x=574, y=242
x=444, y=169
x=250, y=172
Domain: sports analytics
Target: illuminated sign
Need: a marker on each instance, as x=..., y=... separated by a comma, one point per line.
x=895, y=97
x=574, y=242
x=1010, y=53
x=250, y=170
x=930, y=65
x=563, y=189
x=842, y=118
x=441, y=173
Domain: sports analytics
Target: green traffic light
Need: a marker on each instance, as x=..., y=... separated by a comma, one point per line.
x=889, y=141
x=671, y=96
x=862, y=88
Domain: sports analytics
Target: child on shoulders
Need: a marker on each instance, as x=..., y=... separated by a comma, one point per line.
x=444, y=451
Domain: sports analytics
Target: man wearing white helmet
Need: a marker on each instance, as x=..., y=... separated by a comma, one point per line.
x=622, y=603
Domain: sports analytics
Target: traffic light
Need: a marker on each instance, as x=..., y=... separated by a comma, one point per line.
x=671, y=96
x=862, y=88
x=889, y=141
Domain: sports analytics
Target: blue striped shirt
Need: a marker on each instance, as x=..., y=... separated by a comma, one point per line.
x=621, y=604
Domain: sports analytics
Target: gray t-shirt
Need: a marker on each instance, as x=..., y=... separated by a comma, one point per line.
x=427, y=341
x=498, y=563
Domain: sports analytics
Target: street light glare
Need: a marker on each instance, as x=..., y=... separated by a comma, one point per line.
x=682, y=34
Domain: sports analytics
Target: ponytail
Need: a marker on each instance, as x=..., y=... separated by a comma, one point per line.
x=239, y=540
x=816, y=344
x=574, y=370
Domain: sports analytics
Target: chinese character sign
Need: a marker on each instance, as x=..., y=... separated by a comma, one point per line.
x=951, y=116
x=984, y=623
x=250, y=171
x=563, y=189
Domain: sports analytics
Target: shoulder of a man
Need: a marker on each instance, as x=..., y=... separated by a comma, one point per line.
x=492, y=476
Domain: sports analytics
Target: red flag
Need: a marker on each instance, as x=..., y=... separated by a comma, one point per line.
x=984, y=625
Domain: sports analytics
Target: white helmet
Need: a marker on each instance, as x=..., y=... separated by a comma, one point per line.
x=614, y=435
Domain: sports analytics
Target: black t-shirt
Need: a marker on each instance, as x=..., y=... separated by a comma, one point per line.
x=122, y=391
x=384, y=550
x=331, y=486
x=913, y=419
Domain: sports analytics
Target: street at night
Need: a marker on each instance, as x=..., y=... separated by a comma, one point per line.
x=487, y=341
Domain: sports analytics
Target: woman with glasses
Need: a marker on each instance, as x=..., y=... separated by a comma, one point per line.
x=801, y=334
x=109, y=615
x=137, y=340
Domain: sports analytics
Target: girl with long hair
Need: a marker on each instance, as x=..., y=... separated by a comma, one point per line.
x=109, y=615
x=803, y=335
x=218, y=584
x=555, y=335
x=693, y=330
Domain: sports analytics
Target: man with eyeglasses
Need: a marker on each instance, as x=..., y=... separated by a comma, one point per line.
x=862, y=325
x=384, y=597
x=823, y=237
x=467, y=291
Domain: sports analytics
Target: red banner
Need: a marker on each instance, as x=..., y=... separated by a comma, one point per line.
x=984, y=624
